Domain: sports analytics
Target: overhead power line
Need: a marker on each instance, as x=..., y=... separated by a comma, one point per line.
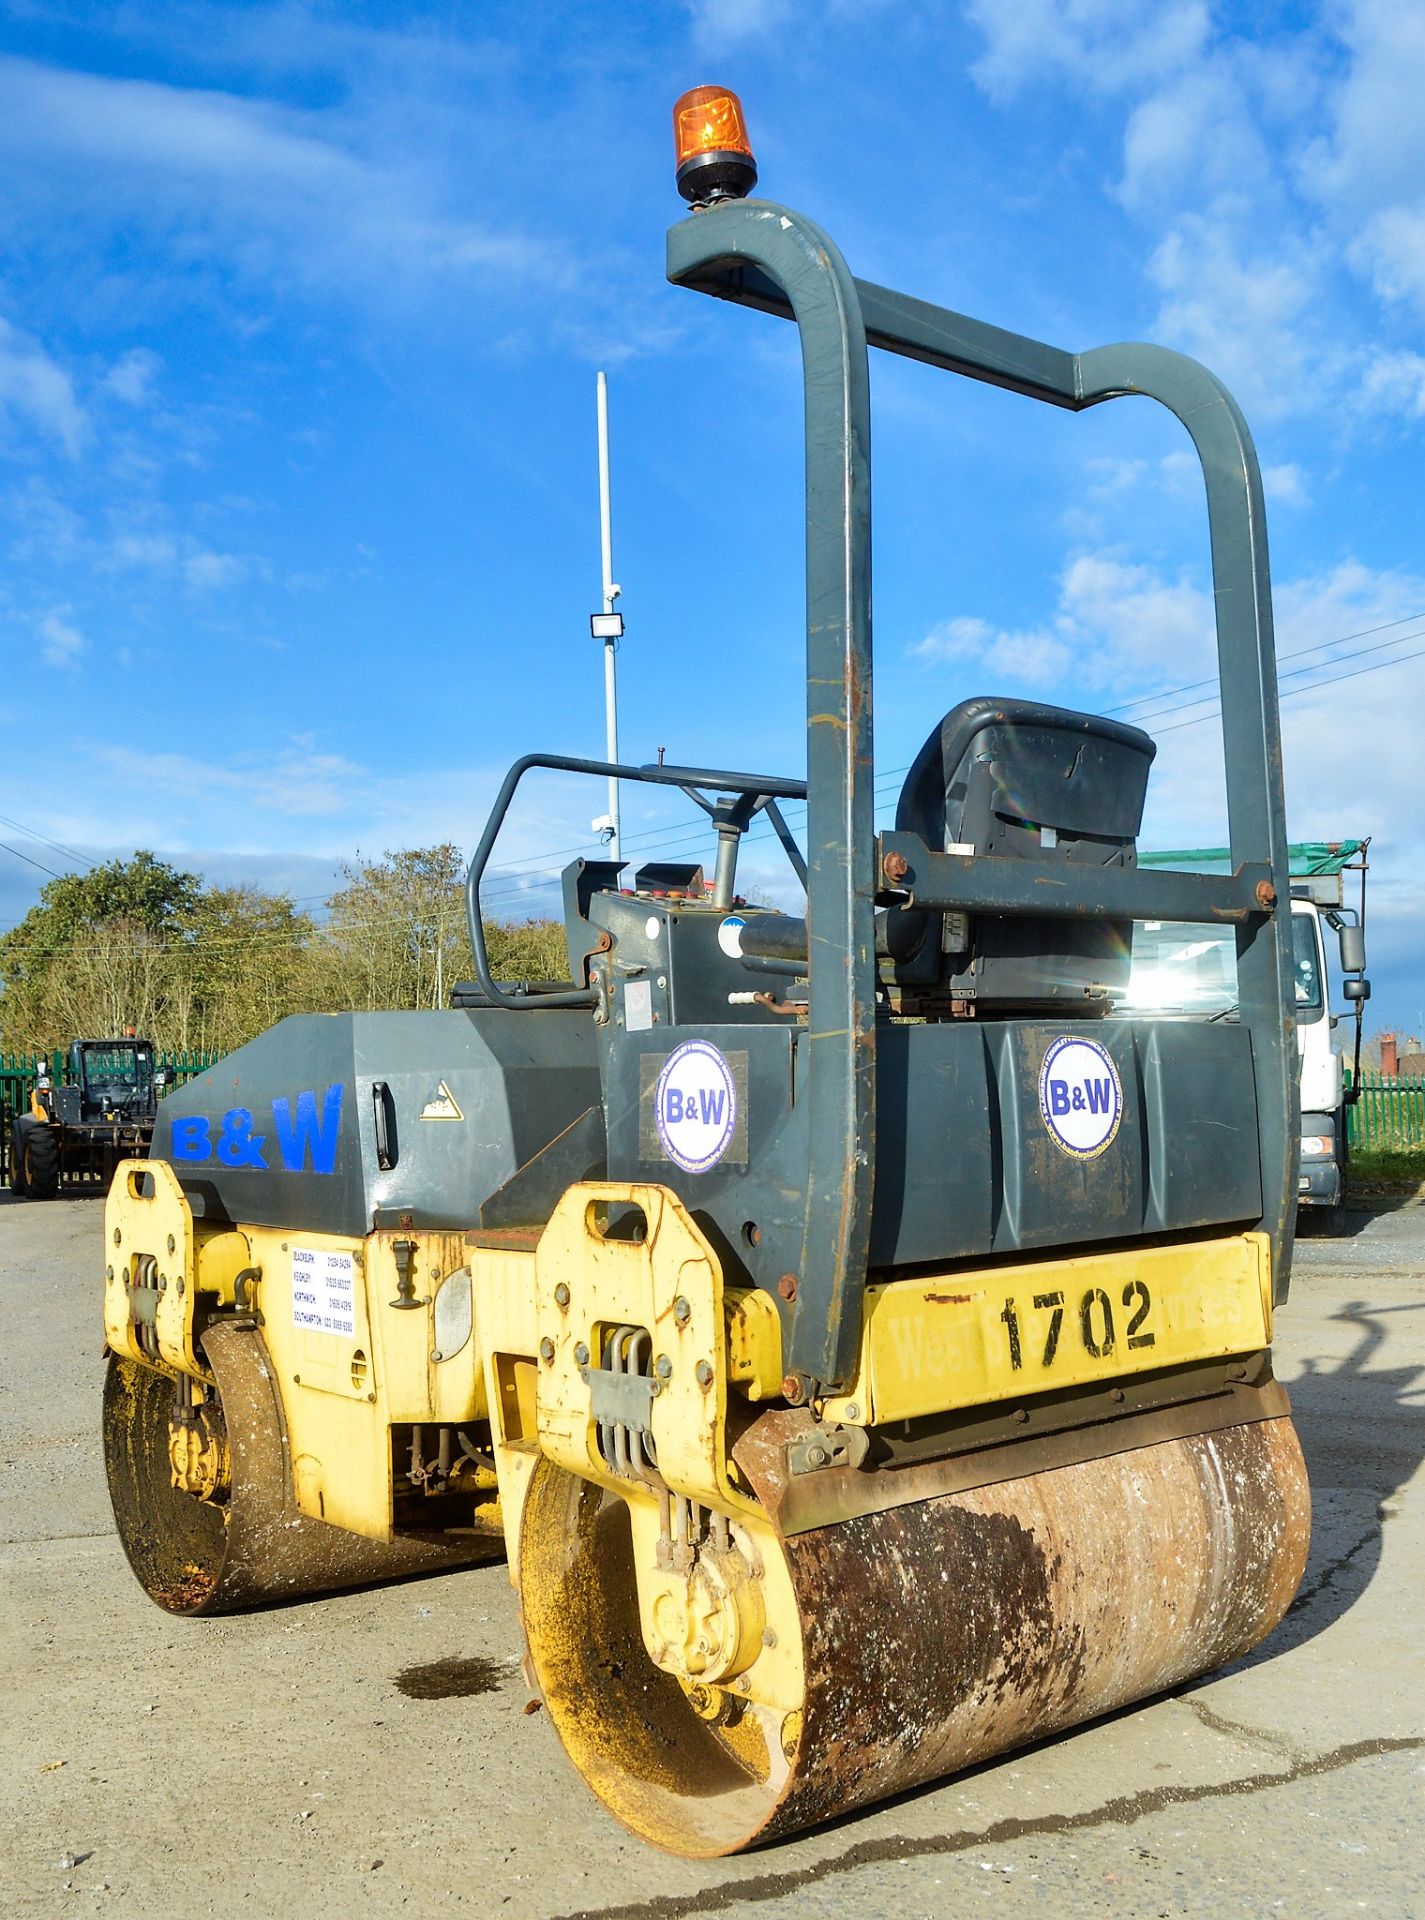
x=34, y=863
x=525, y=879
x=1297, y=653
x=1333, y=680
x=666, y=842
x=55, y=846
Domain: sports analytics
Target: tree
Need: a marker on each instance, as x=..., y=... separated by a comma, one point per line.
x=139, y=943
x=89, y=958
x=242, y=961
x=395, y=934
x=526, y=949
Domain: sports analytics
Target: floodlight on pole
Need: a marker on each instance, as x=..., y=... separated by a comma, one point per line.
x=608, y=625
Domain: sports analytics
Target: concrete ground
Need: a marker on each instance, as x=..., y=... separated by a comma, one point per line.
x=272, y=1763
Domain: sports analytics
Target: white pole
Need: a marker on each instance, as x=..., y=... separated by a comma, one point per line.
x=611, y=593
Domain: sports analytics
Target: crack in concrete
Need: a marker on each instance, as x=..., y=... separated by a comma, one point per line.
x=53, y=1539
x=1125, y=1810
x=1329, y=1572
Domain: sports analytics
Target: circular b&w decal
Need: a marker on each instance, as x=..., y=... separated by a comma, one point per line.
x=1080, y=1096
x=729, y=936
x=695, y=1106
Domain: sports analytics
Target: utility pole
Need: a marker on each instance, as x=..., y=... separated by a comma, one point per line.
x=608, y=625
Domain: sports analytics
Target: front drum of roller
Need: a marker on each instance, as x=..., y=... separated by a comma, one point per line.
x=933, y=1635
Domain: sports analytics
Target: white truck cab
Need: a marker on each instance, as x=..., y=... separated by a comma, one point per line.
x=1322, y=1180
x=1190, y=972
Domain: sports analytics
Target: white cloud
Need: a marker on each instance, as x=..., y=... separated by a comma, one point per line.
x=131, y=377
x=297, y=780
x=1285, y=485
x=35, y=388
x=1177, y=474
x=1197, y=139
x=46, y=527
x=1351, y=603
x=1258, y=219
x=300, y=797
x=142, y=550
x=718, y=25
x=1121, y=632
x=287, y=195
x=1368, y=172
x=211, y=572
x=1394, y=245
x=1115, y=624
x=1131, y=621
x=1249, y=314
x=1126, y=633
x=1347, y=673
x=148, y=548
x=1106, y=45
x=1332, y=788
x=1032, y=656
x=62, y=642
x=1395, y=383
x=1108, y=475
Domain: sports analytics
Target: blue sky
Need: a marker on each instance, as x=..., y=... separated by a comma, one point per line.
x=300, y=311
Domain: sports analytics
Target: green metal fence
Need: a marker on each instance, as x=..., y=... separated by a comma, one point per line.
x=1389, y=1113
x=19, y=1072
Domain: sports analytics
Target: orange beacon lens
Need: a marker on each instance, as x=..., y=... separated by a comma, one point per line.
x=710, y=139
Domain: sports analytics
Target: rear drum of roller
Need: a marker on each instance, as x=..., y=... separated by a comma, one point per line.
x=194, y=1556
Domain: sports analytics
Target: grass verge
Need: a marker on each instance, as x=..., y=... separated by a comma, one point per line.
x=1387, y=1169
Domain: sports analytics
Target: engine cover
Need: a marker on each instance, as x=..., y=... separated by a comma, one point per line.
x=339, y=1123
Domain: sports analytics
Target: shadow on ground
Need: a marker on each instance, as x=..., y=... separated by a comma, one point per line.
x=1362, y=1430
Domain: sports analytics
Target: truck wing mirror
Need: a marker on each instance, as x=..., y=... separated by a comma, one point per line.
x=1353, y=948
x=1356, y=989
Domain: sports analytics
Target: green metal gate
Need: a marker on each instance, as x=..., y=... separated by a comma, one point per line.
x=20, y=1071
x=1390, y=1112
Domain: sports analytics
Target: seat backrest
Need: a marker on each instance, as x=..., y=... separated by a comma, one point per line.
x=1018, y=780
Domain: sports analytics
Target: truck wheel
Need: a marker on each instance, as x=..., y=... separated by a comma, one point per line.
x=38, y=1160
x=1336, y=1222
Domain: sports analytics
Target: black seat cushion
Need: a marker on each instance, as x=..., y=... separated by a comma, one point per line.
x=1017, y=779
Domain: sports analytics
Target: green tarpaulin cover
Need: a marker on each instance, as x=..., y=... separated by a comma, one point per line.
x=1306, y=856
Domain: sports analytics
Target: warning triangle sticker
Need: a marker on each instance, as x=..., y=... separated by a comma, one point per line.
x=442, y=1105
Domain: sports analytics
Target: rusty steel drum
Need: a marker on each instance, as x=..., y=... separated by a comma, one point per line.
x=257, y=1547
x=934, y=1635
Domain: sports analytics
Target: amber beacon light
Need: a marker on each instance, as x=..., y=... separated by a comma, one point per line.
x=714, y=155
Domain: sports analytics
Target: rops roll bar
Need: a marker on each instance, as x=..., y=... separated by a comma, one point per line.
x=759, y=254
x=762, y=790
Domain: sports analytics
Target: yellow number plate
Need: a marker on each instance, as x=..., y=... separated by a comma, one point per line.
x=969, y=1339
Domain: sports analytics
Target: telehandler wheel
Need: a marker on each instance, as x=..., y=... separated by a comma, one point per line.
x=34, y=1159
x=250, y=1545
x=18, y=1188
x=932, y=1635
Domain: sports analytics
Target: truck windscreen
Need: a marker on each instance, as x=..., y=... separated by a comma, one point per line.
x=1306, y=965
x=1182, y=968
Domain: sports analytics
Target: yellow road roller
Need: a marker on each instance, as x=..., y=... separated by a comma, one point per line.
x=854, y=1326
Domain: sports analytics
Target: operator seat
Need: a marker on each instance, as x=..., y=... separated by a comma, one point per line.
x=1022, y=781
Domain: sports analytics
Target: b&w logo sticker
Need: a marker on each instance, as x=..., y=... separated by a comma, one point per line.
x=729, y=936
x=695, y=1106
x=1080, y=1096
